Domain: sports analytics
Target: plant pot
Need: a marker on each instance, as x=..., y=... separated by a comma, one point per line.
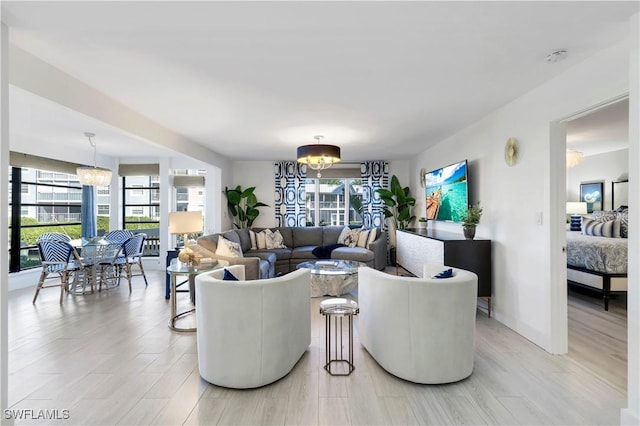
x=422, y=225
x=469, y=232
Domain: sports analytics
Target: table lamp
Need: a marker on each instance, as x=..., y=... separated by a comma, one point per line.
x=185, y=223
x=576, y=209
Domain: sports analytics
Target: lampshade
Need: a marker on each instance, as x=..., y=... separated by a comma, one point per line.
x=574, y=158
x=576, y=207
x=318, y=156
x=93, y=176
x=185, y=222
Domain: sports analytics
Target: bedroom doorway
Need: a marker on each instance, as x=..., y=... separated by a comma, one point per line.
x=598, y=142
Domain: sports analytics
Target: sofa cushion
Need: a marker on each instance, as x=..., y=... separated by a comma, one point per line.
x=305, y=252
x=274, y=239
x=307, y=236
x=357, y=254
x=330, y=234
x=349, y=237
x=280, y=254
x=232, y=236
x=287, y=235
x=258, y=240
x=243, y=234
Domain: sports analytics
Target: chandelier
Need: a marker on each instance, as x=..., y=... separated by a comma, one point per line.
x=574, y=158
x=318, y=156
x=93, y=176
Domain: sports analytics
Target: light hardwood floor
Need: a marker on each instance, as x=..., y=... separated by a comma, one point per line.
x=109, y=358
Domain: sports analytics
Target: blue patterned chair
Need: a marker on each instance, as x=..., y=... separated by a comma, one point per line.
x=125, y=258
x=57, y=263
x=118, y=236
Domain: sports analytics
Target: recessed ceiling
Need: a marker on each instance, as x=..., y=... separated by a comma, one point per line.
x=253, y=80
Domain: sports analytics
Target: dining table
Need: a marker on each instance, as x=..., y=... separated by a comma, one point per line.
x=91, y=251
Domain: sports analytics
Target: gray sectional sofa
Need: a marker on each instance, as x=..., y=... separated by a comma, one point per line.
x=299, y=242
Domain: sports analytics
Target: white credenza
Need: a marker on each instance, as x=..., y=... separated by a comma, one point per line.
x=415, y=247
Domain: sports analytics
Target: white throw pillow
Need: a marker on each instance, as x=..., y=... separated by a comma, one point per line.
x=363, y=237
x=258, y=239
x=274, y=240
x=228, y=248
x=344, y=235
x=373, y=234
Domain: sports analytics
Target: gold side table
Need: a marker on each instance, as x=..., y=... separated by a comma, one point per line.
x=334, y=311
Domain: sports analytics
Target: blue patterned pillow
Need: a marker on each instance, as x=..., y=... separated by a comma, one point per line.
x=228, y=276
x=447, y=273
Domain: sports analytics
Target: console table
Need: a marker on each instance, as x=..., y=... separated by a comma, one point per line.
x=416, y=246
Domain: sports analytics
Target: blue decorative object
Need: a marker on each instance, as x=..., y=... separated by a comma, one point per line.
x=324, y=252
x=228, y=276
x=447, y=273
x=576, y=221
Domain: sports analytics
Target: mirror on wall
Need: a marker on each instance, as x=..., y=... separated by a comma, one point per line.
x=619, y=194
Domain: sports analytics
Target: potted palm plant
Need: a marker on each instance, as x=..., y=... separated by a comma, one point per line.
x=471, y=220
x=397, y=210
x=243, y=206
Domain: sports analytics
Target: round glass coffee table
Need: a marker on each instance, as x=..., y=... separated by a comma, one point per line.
x=332, y=277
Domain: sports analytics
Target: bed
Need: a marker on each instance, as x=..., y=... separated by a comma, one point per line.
x=599, y=262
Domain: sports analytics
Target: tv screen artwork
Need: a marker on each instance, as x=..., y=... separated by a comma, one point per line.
x=447, y=193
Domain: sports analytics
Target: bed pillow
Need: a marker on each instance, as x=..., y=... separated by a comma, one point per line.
x=623, y=217
x=228, y=248
x=603, y=215
x=610, y=228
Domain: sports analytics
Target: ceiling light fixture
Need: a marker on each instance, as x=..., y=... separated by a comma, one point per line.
x=318, y=156
x=93, y=176
x=557, y=55
x=574, y=158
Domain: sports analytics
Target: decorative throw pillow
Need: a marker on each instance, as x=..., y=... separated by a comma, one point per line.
x=363, y=237
x=228, y=276
x=228, y=248
x=346, y=232
x=274, y=240
x=258, y=239
x=447, y=273
x=609, y=229
x=373, y=234
x=623, y=217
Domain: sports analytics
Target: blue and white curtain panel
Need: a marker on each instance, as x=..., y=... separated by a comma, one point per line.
x=290, y=194
x=375, y=174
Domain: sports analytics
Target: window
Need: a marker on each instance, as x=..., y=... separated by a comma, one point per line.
x=141, y=209
x=335, y=201
x=41, y=202
x=103, y=210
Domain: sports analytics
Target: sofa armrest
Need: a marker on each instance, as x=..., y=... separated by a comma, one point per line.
x=379, y=249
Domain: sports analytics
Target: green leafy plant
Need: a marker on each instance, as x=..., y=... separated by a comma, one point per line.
x=397, y=203
x=472, y=217
x=243, y=205
x=422, y=219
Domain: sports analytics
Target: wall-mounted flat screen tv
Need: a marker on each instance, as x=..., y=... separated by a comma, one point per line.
x=447, y=194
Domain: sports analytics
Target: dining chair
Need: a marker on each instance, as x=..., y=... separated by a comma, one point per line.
x=54, y=236
x=125, y=258
x=118, y=236
x=57, y=264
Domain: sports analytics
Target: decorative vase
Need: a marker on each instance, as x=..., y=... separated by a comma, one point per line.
x=469, y=232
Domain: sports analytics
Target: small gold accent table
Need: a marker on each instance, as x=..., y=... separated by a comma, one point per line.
x=334, y=310
x=174, y=270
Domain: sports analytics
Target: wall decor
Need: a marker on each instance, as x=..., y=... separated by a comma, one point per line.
x=592, y=194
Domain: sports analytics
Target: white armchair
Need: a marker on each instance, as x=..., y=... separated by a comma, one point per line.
x=251, y=333
x=419, y=329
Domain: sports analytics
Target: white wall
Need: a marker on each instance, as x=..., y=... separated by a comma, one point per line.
x=605, y=167
x=515, y=198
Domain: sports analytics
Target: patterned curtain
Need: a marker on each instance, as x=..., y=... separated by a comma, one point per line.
x=290, y=194
x=375, y=174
